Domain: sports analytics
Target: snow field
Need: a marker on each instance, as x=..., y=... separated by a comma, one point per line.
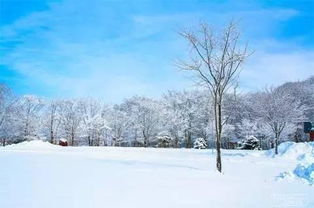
x=37, y=174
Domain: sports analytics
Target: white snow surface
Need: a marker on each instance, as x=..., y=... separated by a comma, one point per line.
x=303, y=155
x=37, y=174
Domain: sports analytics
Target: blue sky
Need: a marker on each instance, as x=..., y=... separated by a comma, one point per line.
x=112, y=49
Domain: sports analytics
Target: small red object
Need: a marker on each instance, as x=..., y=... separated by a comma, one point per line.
x=312, y=136
x=63, y=142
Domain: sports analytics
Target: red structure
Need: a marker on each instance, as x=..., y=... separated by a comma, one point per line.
x=312, y=135
x=63, y=142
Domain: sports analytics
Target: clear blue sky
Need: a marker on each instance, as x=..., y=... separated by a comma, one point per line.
x=112, y=49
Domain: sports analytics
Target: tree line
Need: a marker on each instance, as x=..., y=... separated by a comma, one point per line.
x=175, y=120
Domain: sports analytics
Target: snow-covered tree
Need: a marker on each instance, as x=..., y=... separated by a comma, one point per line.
x=7, y=111
x=29, y=107
x=51, y=120
x=171, y=117
x=302, y=92
x=143, y=117
x=249, y=143
x=164, y=140
x=118, y=122
x=93, y=122
x=187, y=116
x=277, y=109
x=175, y=120
x=71, y=118
x=200, y=143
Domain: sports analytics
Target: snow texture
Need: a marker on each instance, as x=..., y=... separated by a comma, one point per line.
x=37, y=174
x=306, y=172
x=303, y=155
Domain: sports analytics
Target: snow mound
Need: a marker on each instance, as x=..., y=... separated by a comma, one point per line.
x=292, y=150
x=34, y=144
x=303, y=154
x=305, y=172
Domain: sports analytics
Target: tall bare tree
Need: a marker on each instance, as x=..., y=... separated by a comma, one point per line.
x=216, y=59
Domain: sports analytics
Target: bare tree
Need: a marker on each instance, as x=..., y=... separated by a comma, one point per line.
x=71, y=117
x=29, y=108
x=118, y=121
x=216, y=60
x=7, y=106
x=53, y=119
x=143, y=117
x=277, y=108
x=93, y=123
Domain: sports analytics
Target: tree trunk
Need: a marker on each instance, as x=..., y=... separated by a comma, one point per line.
x=98, y=139
x=260, y=143
x=51, y=137
x=218, y=158
x=276, y=143
x=26, y=130
x=89, y=140
x=176, y=142
x=188, y=139
x=51, y=132
x=145, y=139
x=276, y=147
x=218, y=126
x=72, y=138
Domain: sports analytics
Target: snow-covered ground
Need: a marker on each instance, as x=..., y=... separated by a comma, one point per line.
x=37, y=174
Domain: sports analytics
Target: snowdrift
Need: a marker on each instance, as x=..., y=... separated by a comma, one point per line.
x=34, y=144
x=302, y=154
x=292, y=150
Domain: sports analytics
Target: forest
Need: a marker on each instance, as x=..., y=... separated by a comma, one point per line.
x=176, y=119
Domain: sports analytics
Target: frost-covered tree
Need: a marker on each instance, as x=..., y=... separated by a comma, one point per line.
x=29, y=107
x=71, y=118
x=7, y=112
x=249, y=143
x=118, y=122
x=164, y=140
x=200, y=143
x=51, y=120
x=215, y=60
x=187, y=116
x=175, y=120
x=302, y=92
x=143, y=116
x=171, y=117
x=254, y=127
x=188, y=111
x=93, y=122
x=276, y=109
x=203, y=125
x=185, y=111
